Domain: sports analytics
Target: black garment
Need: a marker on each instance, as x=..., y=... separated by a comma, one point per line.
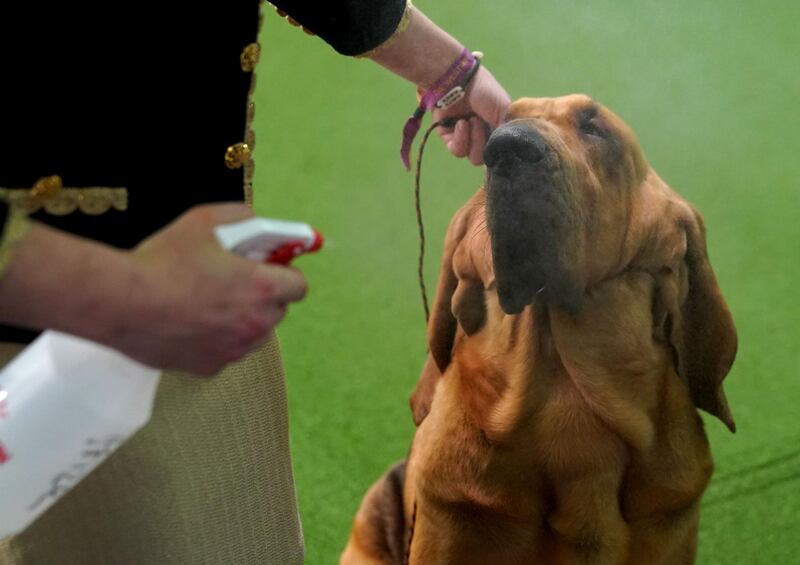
x=125, y=95
x=351, y=27
x=128, y=95
x=142, y=96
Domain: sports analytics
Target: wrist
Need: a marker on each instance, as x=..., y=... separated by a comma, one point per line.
x=66, y=283
x=421, y=53
x=448, y=90
x=120, y=312
x=105, y=307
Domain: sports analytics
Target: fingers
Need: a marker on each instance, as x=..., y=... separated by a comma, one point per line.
x=459, y=141
x=466, y=139
x=275, y=316
x=488, y=102
x=282, y=285
x=488, y=99
x=252, y=327
x=210, y=306
x=477, y=139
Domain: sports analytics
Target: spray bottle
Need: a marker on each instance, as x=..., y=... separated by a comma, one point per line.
x=67, y=403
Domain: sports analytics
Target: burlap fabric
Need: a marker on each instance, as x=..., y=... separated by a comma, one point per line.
x=207, y=481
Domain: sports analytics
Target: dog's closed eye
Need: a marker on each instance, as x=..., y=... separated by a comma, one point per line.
x=589, y=123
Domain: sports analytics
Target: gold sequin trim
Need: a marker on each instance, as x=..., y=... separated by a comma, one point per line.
x=250, y=141
x=249, y=57
x=293, y=21
x=14, y=230
x=92, y=201
x=47, y=187
x=237, y=155
x=249, y=134
x=401, y=27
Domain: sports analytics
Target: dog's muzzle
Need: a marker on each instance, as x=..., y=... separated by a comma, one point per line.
x=529, y=218
x=511, y=146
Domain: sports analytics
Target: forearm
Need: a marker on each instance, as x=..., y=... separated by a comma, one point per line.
x=421, y=53
x=178, y=300
x=59, y=281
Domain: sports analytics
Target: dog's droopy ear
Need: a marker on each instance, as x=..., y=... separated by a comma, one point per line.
x=459, y=300
x=443, y=324
x=699, y=325
x=422, y=397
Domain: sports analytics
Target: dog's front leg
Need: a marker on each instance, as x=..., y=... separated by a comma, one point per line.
x=379, y=528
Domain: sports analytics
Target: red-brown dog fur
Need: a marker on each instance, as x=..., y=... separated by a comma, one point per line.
x=554, y=437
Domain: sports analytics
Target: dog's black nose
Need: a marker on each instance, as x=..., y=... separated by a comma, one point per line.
x=513, y=144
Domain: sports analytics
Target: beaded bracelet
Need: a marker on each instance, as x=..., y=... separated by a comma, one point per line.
x=446, y=91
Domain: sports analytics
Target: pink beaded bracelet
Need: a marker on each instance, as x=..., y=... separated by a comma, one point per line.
x=446, y=91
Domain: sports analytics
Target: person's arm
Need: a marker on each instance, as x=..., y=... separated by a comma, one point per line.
x=421, y=54
x=177, y=301
x=55, y=280
x=399, y=37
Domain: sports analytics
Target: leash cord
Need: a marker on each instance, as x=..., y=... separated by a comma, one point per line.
x=447, y=123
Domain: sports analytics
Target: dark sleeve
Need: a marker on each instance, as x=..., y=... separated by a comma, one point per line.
x=352, y=27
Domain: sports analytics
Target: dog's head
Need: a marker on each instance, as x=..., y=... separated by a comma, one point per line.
x=570, y=201
x=561, y=177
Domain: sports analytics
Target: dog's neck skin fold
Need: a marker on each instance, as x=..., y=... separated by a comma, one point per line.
x=506, y=375
x=509, y=363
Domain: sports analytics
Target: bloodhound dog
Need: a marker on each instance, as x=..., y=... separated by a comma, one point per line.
x=576, y=329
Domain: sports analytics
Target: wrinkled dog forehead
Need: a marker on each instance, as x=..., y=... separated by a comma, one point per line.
x=551, y=109
x=563, y=111
x=577, y=123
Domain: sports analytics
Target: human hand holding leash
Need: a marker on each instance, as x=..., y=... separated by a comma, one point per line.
x=488, y=101
x=443, y=70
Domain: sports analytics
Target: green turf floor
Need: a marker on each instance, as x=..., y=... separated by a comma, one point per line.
x=711, y=89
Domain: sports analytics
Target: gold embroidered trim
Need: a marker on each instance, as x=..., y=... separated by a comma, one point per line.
x=14, y=230
x=293, y=21
x=93, y=201
x=47, y=187
x=237, y=155
x=249, y=134
x=249, y=57
x=401, y=27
